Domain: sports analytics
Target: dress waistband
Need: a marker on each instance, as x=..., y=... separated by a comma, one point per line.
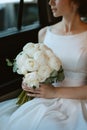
x=75, y=75
x=74, y=79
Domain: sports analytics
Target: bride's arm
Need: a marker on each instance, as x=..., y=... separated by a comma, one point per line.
x=49, y=91
x=41, y=34
x=72, y=92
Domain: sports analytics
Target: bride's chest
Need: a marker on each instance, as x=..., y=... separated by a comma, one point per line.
x=73, y=55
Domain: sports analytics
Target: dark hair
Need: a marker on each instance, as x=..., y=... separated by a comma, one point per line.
x=82, y=7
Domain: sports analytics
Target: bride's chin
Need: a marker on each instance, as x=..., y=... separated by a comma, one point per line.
x=56, y=15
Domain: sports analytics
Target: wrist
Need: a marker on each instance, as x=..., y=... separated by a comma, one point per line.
x=55, y=92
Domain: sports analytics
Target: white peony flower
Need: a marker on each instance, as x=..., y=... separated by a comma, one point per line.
x=44, y=72
x=49, y=53
x=20, y=64
x=54, y=63
x=32, y=79
x=41, y=57
x=30, y=49
x=22, y=70
x=21, y=57
x=31, y=65
x=28, y=46
x=41, y=46
x=25, y=64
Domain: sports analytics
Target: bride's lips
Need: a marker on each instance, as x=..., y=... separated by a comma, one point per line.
x=53, y=9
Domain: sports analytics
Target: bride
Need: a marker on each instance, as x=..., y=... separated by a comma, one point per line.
x=60, y=106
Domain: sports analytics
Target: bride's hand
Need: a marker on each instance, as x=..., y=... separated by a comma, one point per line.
x=44, y=91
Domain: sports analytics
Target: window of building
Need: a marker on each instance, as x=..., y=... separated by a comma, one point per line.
x=15, y=14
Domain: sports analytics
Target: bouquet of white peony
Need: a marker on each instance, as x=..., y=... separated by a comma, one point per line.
x=38, y=64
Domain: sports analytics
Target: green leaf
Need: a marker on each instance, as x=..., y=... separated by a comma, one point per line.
x=55, y=76
x=9, y=63
x=34, y=87
x=54, y=73
x=60, y=76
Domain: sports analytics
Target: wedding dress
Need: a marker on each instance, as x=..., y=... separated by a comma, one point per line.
x=58, y=113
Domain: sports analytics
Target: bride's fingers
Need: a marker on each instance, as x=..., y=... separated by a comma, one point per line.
x=32, y=90
x=24, y=86
x=34, y=95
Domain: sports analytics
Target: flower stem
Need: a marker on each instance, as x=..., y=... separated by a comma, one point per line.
x=22, y=98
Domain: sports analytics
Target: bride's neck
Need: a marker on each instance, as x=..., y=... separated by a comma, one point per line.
x=70, y=24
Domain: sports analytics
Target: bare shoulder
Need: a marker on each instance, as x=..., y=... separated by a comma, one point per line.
x=41, y=34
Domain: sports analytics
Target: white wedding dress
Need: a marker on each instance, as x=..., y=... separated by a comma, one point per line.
x=54, y=114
